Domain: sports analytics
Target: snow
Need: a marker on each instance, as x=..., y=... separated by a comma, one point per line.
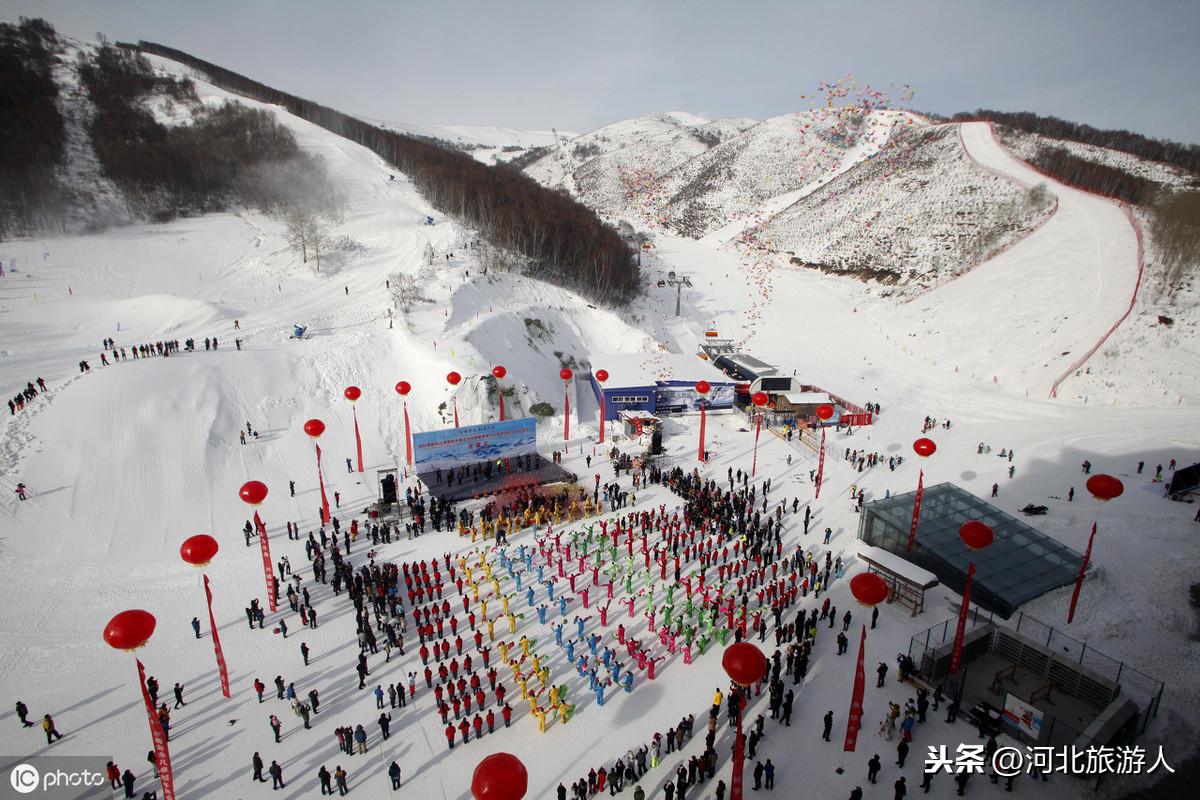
x=125, y=462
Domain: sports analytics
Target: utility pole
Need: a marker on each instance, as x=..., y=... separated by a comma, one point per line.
x=678, y=281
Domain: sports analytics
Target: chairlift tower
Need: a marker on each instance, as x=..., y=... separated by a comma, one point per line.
x=678, y=281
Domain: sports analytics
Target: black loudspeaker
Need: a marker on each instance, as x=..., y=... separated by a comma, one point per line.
x=388, y=486
x=656, y=443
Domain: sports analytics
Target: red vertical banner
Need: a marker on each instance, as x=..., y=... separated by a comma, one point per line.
x=956, y=653
x=854, y=719
x=407, y=437
x=602, y=420
x=162, y=753
x=222, y=670
x=1087, y=557
x=912, y=532
x=357, y=439
x=500, y=392
x=820, y=465
x=324, y=499
x=566, y=412
x=266, y=558
x=700, y=455
x=757, y=431
x=739, y=757
x=456, y=412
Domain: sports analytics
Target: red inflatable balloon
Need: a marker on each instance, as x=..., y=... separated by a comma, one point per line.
x=403, y=388
x=744, y=663
x=253, y=492
x=129, y=630
x=869, y=589
x=976, y=535
x=352, y=393
x=565, y=374
x=703, y=387
x=453, y=378
x=1105, y=487
x=314, y=428
x=500, y=776
x=499, y=372
x=824, y=411
x=602, y=375
x=198, y=550
x=760, y=399
x=924, y=447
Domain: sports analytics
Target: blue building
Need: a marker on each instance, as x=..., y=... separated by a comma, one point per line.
x=660, y=383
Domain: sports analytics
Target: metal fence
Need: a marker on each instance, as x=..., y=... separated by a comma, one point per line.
x=1144, y=690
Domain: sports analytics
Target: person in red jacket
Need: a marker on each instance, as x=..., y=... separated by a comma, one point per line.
x=114, y=775
x=464, y=728
x=478, y=724
x=491, y=721
x=506, y=712
x=450, y=736
x=500, y=694
x=424, y=653
x=259, y=688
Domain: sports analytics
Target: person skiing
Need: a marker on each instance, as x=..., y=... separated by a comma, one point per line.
x=21, y=491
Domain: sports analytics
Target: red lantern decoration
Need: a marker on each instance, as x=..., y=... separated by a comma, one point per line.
x=129, y=630
x=352, y=393
x=602, y=375
x=499, y=372
x=760, y=399
x=976, y=535
x=703, y=387
x=253, y=492
x=744, y=663
x=314, y=428
x=198, y=550
x=924, y=447
x=403, y=388
x=1105, y=487
x=824, y=411
x=453, y=378
x=869, y=589
x=500, y=776
x=565, y=374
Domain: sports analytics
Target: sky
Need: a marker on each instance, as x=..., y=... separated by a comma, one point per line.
x=576, y=65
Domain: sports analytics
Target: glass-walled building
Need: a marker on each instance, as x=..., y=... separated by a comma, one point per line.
x=1021, y=564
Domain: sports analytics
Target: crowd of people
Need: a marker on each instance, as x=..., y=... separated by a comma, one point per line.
x=26, y=395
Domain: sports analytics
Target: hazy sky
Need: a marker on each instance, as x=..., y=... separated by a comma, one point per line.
x=578, y=65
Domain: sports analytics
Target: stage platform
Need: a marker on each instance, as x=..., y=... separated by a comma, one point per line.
x=473, y=486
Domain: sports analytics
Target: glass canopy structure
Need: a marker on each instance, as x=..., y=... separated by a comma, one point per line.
x=1021, y=564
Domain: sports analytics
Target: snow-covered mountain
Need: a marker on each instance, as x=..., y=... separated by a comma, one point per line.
x=126, y=460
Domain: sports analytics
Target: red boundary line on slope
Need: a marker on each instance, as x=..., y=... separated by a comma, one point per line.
x=1006, y=247
x=1141, y=265
x=1137, y=230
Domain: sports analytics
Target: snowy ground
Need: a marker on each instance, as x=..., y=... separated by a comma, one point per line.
x=127, y=461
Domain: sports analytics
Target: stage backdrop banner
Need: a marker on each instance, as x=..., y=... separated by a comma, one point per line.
x=670, y=399
x=451, y=447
